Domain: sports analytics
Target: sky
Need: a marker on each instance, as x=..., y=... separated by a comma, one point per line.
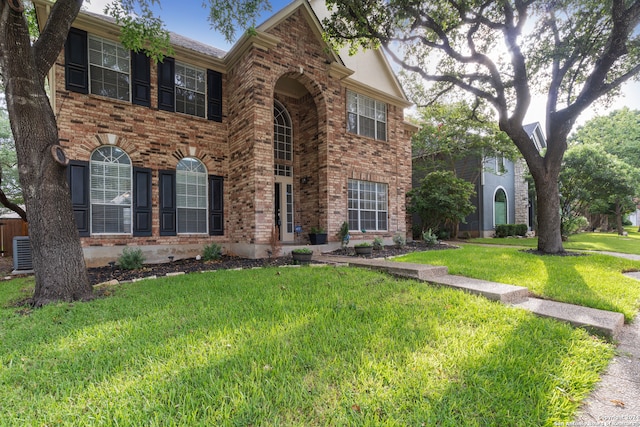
x=189, y=18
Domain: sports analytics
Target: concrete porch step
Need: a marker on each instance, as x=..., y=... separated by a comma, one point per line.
x=603, y=322
x=490, y=290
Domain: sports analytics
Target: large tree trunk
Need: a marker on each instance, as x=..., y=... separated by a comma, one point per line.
x=58, y=261
x=549, y=232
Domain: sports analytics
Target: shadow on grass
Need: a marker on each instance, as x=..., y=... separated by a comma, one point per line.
x=341, y=347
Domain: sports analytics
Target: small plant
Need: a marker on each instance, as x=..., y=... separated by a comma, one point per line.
x=343, y=234
x=131, y=259
x=302, y=251
x=378, y=243
x=212, y=252
x=399, y=240
x=363, y=245
x=317, y=230
x=429, y=237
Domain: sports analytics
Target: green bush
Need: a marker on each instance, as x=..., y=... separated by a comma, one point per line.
x=378, y=243
x=399, y=240
x=302, y=251
x=429, y=237
x=506, y=230
x=362, y=245
x=131, y=259
x=212, y=252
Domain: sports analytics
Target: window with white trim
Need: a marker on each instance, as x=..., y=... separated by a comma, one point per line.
x=500, y=207
x=191, y=89
x=110, y=191
x=109, y=69
x=366, y=116
x=368, y=205
x=191, y=196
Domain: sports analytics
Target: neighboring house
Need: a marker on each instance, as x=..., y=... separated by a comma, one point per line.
x=209, y=146
x=502, y=193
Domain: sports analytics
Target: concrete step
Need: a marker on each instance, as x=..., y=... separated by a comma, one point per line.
x=603, y=322
x=490, y=290
x=404, y=269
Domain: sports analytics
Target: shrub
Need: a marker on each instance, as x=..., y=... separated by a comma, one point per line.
x=506, y=230
x=212, y=252
x=343, y=234
x=131, y=259
x=302, y=251
x=362, y=245
x=399, y=240
x=429, y=238
x=378, y=243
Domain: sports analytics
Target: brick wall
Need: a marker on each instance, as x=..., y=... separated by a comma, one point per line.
x=241, y=147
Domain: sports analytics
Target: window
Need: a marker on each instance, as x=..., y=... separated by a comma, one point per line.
x=110, y=191
x=103, y=67
x=109, y=68
x=191, y=196
x=282, y=140
x=500, y=165
x=366, y=116
x=190, y=90
x=500, y=207
x=368, y=205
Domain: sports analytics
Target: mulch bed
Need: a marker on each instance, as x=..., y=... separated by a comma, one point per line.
x=189, y=265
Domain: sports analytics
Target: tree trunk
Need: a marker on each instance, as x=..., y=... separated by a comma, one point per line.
x=548, y=213
x=619, y=225
x=58, y=260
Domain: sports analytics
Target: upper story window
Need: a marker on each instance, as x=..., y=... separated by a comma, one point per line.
x=366, y=116
x=110, y=191
x=282, y=135
x=191, y=196
x=109, y=69
x=191, y=87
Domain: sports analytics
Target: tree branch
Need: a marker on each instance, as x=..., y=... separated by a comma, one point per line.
x=49, y=44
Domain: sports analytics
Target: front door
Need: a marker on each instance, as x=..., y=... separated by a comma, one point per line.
x=283, y=207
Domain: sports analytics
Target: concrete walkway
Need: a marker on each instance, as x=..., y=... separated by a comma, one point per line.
x=616, y=399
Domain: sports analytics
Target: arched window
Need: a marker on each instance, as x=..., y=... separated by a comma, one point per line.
x=500, y=207
x=110, y=191
x=191, y=196
x=282, y=139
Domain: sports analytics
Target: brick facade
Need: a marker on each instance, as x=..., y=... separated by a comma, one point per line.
x=293, y=67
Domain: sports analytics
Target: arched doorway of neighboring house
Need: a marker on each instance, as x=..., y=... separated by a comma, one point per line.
x=283, y=171
x=500, y=207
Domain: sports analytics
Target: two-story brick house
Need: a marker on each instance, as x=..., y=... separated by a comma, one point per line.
x=280, y=133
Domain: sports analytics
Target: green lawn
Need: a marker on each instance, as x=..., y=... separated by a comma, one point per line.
x=611, y=242
x=592, y=280
x=289, y=347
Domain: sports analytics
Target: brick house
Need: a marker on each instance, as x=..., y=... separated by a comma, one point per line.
x=277, y=135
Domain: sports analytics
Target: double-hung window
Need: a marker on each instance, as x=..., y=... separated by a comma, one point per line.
x=110, y=191
x=191, y=89
x=109, y=69
x=366, y=116
x=368, y=205
x=191, y=196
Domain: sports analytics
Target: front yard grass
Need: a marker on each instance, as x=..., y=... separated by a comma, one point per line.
x=289, y=347
x=592, y=280
x=610, y=242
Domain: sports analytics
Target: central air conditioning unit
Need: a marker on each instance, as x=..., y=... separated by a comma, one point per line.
x=22, y=254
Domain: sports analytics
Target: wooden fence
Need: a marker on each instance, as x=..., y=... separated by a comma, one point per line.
x=9, y=228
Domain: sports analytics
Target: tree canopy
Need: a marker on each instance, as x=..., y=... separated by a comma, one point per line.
x=574, y=51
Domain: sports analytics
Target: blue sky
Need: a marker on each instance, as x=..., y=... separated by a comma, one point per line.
x=189, y=18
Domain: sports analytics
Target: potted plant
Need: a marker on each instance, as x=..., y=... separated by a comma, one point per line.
x=318, y=236
x=302, y=254
x=364, y=248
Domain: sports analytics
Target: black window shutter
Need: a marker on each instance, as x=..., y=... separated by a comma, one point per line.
x=216, y=205
x=78, y=178
x=141, y=79
x=166, y=85
x=214, y=95
x=141, y=202
x=76, y=61
x=167, y=203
